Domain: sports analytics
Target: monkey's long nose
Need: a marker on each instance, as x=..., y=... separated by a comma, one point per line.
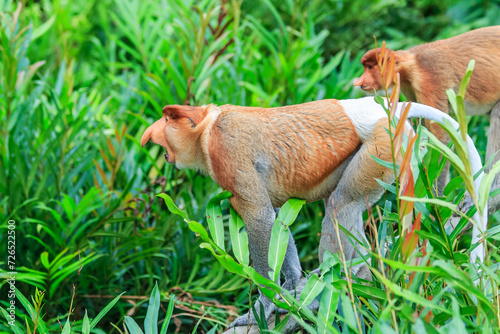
x=146, y=136
x=358, y=82
x=155, y=133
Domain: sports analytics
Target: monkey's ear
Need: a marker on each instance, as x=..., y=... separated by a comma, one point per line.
x=194, y=114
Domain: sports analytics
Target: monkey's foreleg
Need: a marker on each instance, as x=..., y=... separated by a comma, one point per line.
x=259, y=217
x=492, y=148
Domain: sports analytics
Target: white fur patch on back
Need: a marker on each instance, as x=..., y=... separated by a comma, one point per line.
x=364, y=113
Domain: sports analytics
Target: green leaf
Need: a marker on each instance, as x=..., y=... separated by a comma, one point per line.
x=383, y=163
x=44, y=259
x=369, y=292
x=348, y=312
x=280, y=235
x=105, y=310
x=459, y=279
x=172, y=207
x=151, y=321
x=42, y=29
x=277, y=248
x=214, y=218
x=466, y=78
x=452, y=98
x=456, y=325
x=239, y=237
x=225, y=260
x=436, y=238
x=31, y=311
x=380, y=100
x=67, y=328
x=434, y=201
x=327, y=308
x=445, y=151
x=311, y=290
x=168, y=316
x=132, y=326
x=86, y=324
x=409, y=295
x=290, y=210
x=14, y=328
x=268, y=98
x=281, y=324
x=265, y=282
x=485, y=186
x=310, y=329
x=199, y=230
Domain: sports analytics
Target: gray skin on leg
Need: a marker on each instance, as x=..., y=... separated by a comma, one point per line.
x=346, y=206
x=291, y=268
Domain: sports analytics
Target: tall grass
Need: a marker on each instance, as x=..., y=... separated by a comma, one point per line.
x=80, y=81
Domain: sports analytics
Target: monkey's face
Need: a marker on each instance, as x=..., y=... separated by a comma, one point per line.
x=177, y=132
x=371, y=78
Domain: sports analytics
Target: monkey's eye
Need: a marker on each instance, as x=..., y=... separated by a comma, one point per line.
x=370, y=67
x=166, y=118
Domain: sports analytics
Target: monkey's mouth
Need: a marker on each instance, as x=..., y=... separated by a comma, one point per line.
x=168, y=157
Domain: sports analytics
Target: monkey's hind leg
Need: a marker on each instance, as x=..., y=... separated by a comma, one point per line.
x=492, y=148
x=348, y=201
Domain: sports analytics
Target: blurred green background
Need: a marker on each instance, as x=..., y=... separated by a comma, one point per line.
x=81, y=80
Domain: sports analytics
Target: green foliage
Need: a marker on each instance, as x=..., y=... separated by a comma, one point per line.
x=79, y=82
x=151, y=321
x=34, y=312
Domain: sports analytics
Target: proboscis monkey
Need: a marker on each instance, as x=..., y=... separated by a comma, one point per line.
x=428, y=70
x=313, y=151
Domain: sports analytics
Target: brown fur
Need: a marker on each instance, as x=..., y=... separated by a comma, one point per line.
x=428, y=70
x=308, y=141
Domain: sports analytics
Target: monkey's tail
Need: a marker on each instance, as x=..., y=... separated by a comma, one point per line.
x=420, y=110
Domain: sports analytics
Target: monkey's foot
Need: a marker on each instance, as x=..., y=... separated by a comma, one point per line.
x=248, y=319
x=245, y=320
x=291, y=327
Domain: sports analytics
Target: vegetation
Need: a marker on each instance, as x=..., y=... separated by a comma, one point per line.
x=79, y=82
